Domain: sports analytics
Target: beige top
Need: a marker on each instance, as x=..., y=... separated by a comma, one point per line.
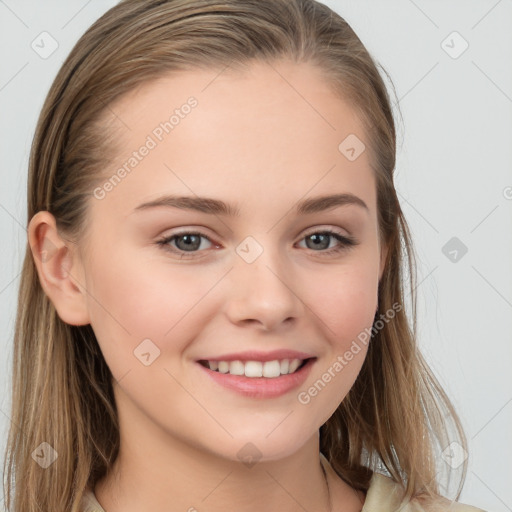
x=382, y=496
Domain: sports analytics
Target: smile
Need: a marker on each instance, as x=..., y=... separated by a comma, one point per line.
x=252, y=380
x=254, y=369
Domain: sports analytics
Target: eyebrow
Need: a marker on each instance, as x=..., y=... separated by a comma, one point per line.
x=218, y=207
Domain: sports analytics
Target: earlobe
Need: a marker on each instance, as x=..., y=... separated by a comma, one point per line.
x=59, y=268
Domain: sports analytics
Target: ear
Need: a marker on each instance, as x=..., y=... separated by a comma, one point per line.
x=383, y=256
x=59, y=268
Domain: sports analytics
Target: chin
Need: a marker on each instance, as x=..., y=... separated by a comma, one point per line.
x=262, y=447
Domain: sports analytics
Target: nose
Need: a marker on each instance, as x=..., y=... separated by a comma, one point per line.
x=263, y=292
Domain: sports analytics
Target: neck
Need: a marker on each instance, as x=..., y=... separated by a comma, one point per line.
x=191, y=482
x=168, y=474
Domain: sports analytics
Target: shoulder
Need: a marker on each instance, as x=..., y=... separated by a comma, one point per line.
x=384, y=495
x=89, y=503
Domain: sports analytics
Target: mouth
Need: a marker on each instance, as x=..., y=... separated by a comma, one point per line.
x=257, y=369
x=258, y=379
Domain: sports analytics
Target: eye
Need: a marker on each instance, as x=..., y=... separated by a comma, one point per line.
x=321, y=240
x=185, y=242
x=191, y=242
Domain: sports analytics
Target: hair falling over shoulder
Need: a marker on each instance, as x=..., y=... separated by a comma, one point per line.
x=396, y=417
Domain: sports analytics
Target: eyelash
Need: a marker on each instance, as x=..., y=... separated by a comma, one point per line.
x=346, y=242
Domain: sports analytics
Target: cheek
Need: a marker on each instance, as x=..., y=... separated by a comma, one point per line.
x=132, y=301
x=346, y=301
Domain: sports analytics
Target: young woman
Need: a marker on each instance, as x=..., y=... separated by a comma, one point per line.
x=212, y=312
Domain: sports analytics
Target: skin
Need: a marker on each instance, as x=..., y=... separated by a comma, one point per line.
x=261, y=139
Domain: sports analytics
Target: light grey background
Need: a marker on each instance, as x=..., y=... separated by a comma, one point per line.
x=454, y=179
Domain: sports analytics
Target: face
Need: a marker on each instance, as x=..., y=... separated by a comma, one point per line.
x=187, y=281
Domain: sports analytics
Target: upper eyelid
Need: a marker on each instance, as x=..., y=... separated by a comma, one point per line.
x=308, y=232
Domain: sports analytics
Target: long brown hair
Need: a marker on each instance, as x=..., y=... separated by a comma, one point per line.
x=395, y=419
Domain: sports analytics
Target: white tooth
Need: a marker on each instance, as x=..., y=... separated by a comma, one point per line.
x=223, y=367
x=271, y=369
x=236, y=368
x=294, y=364
x=253, y=369
x=268, y=369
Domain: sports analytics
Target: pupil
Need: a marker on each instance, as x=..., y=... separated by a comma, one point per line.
x=317, y=241
x=189, y=242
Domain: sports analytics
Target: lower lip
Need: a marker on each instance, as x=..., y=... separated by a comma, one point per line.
x=261, y=387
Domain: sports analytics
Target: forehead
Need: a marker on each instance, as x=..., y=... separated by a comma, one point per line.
x=252, y=135
x=260, y=96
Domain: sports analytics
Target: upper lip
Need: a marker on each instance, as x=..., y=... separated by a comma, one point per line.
x=254, y=355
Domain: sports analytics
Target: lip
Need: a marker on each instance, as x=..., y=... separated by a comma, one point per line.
x=254, y=355
x=260, y=387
